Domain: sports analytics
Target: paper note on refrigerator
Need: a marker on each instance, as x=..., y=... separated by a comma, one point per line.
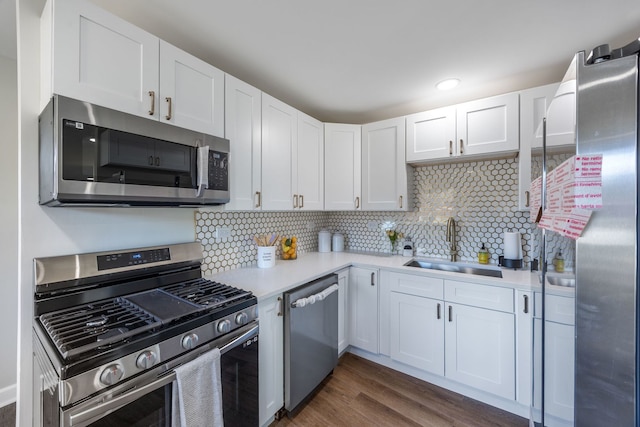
x=574, y=188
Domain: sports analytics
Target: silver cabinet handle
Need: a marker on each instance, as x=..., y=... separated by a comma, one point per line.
x=450, y=314
x=358, y=202
x=295, y=201
x=373, y=279
x=150, y=160
x=526, y=304
x=461, y=147
x=259, y=197
x=450, y=147
x=152, y=110
x=301, y=201
x=157, y=161
x=526, y=198
x=400, y=202
x=168, y=116
x=279, y=306
x=438, y=311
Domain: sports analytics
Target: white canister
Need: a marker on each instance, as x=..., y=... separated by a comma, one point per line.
x=266, y=256
x=324, y=241
x=338, y=242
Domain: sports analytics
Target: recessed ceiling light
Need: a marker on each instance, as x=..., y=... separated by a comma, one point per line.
x=447, y=84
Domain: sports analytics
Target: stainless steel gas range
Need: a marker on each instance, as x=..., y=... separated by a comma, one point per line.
x=110, y=329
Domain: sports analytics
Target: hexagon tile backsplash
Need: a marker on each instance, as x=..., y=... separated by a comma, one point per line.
x=481, y=196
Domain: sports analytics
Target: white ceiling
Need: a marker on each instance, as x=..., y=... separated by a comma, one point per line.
x=357, y=61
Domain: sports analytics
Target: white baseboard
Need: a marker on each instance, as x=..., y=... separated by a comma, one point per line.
x=8, y=395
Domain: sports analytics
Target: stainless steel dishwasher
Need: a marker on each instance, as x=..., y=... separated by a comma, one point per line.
x=310, y=338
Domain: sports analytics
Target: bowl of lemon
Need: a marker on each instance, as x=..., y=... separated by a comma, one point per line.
x=289, y=247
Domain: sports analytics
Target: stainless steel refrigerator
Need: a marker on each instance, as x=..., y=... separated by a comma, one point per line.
x=606, y=254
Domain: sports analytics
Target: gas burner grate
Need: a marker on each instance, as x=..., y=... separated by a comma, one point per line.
x=97, y=325
x=207, y=293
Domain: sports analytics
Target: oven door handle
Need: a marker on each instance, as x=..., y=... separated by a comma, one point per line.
x=95, y=412
x=239, y=340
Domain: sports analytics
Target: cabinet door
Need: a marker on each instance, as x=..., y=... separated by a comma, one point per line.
x=384, y=170
x=342, y=170
x=363, y=308
x=279, y=154
x=524, y=340
x=431, y=135
x=191, y=91
x=243, y=128
x=271, y=360
x=480, y=349
x=559, y=356
x=310, y=163
x=561, y=118
x=343, y=310
x=417, y=332
x=102, y=59
x=488, y=125
x=533, y=108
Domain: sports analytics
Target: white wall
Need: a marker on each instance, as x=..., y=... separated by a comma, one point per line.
x=8, y=227
x=54, y=231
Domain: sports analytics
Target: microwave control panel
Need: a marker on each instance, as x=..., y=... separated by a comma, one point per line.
x=218, y=170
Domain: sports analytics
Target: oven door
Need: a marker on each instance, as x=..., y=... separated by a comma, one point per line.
x=147, y=401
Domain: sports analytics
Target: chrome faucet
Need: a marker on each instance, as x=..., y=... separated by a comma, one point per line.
x=451, y=238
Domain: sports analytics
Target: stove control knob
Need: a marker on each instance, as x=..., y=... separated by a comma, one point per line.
x=111, y=374
x=189, y=341
x=224, y=326
x=146, y=359
x=241, y=318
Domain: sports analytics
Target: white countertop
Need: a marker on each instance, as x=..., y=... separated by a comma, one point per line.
x=286, y=275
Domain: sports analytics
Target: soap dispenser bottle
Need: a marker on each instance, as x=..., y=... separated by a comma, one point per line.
x=483, y=255
x=559, y=262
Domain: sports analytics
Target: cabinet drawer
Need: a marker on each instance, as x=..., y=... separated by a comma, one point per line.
x=422, y=286
x=484, y=296
x=560, y=309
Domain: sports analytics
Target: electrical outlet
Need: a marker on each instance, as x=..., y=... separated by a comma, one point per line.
x=372, y=226
x=223, y=232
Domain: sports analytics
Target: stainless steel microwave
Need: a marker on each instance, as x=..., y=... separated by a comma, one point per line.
x=91, y=155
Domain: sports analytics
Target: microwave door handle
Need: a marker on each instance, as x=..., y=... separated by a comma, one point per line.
x=203, y=170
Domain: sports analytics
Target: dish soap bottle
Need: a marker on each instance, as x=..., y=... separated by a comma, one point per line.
x=483, y=255
x=559, y=262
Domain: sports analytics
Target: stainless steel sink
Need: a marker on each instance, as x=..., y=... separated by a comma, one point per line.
x=457, y=268
x=560, y=279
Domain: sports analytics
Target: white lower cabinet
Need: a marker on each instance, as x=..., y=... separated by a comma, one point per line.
x=363, y=308
x=271, y=360
x=480, y=349
x=343, y=310
x=417, y=337
x=462, y=331
x=524, y=337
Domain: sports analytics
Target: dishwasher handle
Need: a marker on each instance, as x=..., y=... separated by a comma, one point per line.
x=301, y=302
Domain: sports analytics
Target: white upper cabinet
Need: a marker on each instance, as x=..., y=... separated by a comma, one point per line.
x=279, y=153
x=192, y=91
x=309, y=188
x=478, y=128
x=384, y=169
x=292, y=158
x=533, y=108
x=342, y=170
x=99, y=58
x=488, y=125
x=431, y=134
x=243, y=128
x=561, y=118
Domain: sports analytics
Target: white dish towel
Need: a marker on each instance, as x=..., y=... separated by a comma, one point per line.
x=197, y=392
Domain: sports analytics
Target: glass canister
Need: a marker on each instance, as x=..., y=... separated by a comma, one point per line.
x=289, y=247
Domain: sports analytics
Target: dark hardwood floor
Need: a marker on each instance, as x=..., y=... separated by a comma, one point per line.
x=362, y=393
